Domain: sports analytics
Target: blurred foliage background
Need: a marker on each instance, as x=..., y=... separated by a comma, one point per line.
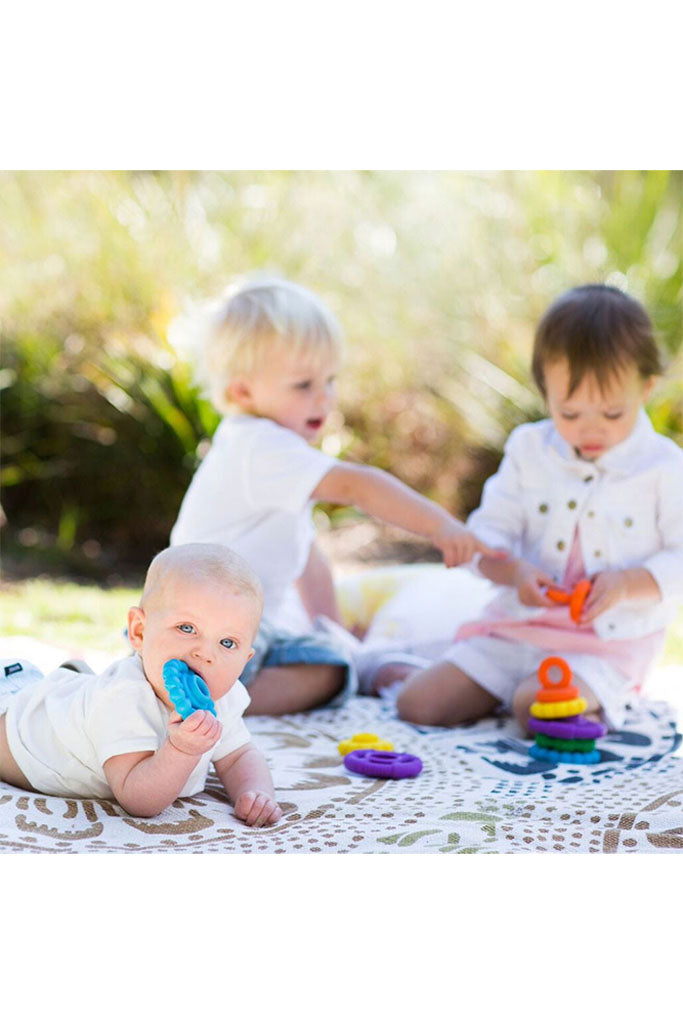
x=437, y=277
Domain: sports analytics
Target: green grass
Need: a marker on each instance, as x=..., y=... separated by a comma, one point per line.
x=66, y=614
x=72, y=614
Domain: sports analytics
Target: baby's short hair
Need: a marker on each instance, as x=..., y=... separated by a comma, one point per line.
x=599, y=330
x=254, y=317
x=198, y=563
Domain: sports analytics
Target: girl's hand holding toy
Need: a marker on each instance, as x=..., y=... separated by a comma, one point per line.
x=532, y=585
x=609, y=588
x=576, y=599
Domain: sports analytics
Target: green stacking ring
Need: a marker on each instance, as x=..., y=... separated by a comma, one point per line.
x=552, y=743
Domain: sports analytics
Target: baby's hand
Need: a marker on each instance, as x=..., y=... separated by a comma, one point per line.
x=609, y=588
x=195, y=734
x=458, y=545
x=531, y=583
x=257, y=808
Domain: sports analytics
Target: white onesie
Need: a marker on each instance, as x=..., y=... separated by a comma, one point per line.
x=62, y=728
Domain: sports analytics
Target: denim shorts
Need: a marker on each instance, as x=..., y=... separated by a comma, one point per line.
x=274, y=648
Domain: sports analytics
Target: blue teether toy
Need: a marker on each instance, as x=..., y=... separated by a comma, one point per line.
x=187, y=690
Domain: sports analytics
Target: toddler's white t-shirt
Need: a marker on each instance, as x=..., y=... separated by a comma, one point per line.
x=61, y=729
x=252, y=492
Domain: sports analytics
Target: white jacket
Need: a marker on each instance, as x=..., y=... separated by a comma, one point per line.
x=628, y=506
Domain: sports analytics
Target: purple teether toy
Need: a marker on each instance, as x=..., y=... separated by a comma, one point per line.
x=576, y=727
x=383, y=764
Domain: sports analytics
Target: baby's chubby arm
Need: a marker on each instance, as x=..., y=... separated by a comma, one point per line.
x=383, y=496
x=247, y=781
x=146, y=782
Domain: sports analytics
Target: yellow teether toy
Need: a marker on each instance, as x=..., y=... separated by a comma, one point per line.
x=364, y=741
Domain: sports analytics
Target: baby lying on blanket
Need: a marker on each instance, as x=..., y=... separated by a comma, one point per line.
x=116, y=735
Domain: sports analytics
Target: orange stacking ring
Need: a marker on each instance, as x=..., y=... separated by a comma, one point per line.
x=544, y=668
x=558, y=595
x=555, y=691
x=575, y=600
x=578, y=599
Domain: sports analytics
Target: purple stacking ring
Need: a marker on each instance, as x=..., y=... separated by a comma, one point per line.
x=383, y=764
x=576, y=727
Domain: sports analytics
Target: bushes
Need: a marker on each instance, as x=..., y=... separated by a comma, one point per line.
x=438, y=279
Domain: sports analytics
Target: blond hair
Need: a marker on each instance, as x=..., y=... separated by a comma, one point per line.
x=201, y=563
x=255, y=316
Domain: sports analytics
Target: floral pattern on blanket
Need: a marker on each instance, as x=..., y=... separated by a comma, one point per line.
x=479, y=792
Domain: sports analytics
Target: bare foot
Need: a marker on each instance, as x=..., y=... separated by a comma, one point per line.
x=388, y=675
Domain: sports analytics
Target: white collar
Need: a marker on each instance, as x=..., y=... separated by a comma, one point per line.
x=621, y=459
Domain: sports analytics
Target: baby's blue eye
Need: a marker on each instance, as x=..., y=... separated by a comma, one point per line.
x=185, y=627
x=229, y=644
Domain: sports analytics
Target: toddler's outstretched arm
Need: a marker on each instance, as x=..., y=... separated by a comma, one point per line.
x=146, y=782
x=383, y=496
x=247, y=781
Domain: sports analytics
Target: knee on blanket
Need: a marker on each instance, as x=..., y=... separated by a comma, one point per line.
x=521, y=702
x=413, y=706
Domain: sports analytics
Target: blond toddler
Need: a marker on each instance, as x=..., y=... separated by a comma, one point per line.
x=269, y=353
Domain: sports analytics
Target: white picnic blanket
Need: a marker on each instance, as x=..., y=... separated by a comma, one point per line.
x=479, y=792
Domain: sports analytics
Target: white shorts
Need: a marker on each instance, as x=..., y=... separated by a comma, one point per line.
x=499, y=666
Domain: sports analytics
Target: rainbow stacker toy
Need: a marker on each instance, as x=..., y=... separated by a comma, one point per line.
x=561, y=731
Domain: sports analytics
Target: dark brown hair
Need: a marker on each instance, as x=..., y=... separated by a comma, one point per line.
x=599, y=330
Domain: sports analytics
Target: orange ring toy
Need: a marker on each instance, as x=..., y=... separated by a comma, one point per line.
x=575, y=600
x=545, y=667
x=555, y=691
x=561, y=694
x=558, y=595
x=578, y=599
